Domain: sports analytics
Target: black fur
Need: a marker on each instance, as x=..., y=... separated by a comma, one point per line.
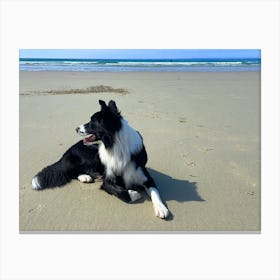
x=79, y=159
x=117, y=190
x=105, y=123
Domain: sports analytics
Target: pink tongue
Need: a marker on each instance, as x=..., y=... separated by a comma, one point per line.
x=89, y=139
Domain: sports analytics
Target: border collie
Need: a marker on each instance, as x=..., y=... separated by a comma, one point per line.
x=120, y=158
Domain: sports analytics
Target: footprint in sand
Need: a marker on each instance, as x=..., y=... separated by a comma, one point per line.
x=188, y=162
x=203, y=149
x=182, y=120
x=250, y=193
x=191, y=163
x=39, y=207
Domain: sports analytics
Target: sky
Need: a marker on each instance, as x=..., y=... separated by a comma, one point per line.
x=139, y=54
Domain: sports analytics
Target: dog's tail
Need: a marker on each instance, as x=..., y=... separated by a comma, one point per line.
x=51, y=176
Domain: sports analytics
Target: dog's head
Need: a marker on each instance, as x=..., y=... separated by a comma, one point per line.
x=102, y=125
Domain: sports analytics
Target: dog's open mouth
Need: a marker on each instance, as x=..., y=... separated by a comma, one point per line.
x=89, y=140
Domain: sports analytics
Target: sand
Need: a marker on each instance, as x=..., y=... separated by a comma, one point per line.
x=201, y=132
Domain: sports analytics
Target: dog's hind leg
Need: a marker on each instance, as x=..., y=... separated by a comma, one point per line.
x=120, y=192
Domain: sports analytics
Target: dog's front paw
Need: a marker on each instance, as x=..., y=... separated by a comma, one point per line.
x=161, y=211
x=85, y=178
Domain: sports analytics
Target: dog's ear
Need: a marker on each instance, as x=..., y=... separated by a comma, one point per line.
x=102, y=104
x=113, y=107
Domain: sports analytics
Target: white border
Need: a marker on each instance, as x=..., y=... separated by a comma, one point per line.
x=146, y=24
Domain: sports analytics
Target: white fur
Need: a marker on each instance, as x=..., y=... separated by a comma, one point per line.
x=131, y=175
x=116, y=159
x=85, y=178
x=35, y=184
x=160, y=210
x=82, y=130
x=134, y=195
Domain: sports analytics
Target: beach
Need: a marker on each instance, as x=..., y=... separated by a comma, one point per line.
x=201, y=132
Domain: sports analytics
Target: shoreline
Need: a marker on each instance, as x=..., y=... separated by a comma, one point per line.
x=139, y=72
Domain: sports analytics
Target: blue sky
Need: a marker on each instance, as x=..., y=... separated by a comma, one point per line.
x=140, y=54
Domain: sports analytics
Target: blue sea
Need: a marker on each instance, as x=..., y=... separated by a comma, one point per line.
x=142, y=65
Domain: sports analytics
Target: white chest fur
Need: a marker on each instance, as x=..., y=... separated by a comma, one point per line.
x=126, y=142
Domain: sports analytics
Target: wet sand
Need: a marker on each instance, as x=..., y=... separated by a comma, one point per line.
x=201, y=132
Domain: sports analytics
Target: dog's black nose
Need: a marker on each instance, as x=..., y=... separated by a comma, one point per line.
x=77, y=129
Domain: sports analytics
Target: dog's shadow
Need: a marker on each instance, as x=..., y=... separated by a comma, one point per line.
x=175, y=189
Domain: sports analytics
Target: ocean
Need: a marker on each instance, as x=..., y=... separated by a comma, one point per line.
x=142, y=65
